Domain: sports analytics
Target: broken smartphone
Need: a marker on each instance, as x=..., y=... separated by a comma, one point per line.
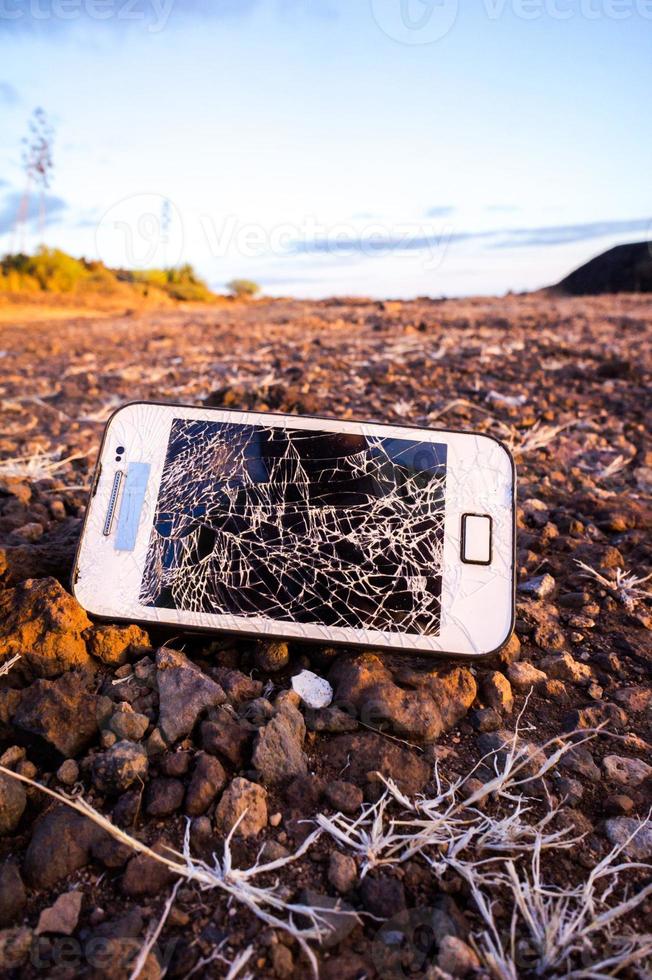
x=303, y=528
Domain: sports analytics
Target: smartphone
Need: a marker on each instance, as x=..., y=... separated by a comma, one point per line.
x=303, y=528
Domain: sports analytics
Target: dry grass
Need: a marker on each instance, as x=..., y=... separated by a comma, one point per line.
x=554, y=931
x=495, y=835
x=625, y=586
x=8, y=664
x=266, y=902
x=40, y=465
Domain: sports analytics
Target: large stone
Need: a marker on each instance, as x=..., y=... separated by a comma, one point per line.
x=185, y=693
x=115, y=645
x=357, y=758
x=428, y=703
x=278, y=750
x=62, y=712
x=12, y=804
x=61, y=843
x=245, y=802
x=45, y=625
x=115, y=770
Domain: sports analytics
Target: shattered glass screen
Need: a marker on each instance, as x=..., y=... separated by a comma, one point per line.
x=301, y=526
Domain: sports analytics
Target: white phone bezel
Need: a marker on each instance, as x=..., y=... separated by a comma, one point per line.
x=477, y=614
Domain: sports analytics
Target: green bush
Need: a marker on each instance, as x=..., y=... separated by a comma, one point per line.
x=243, y=288
x=51, y=270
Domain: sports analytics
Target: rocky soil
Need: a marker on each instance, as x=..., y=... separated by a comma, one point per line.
x=161, y=732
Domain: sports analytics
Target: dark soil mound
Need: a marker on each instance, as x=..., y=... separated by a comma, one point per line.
x=623, y=269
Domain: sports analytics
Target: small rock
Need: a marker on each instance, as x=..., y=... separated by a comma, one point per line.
x=382, y=896
x=257, y=712
x=570, y=791
x=145, y=875
x=13, y=896
x=619, y=829
x=15, y=946
x=564, y=667
x=523, y=675
x=175, y=764
x=226, y=736
x=456, y=958
x=356, y=756
x=314, y=691
x=593, y=715
x=62, y=712
x=579, y=760
x=627, y=772
x=497, y=692
x=43, y=623
x=633, y=698
x=68, y=772
x=342, y=872
x=554, y=691
x=208, y=779
x=12, y=804
x=237, y=686
x=333, y=911
x=185, y=693
x=61, y=843
x=540, y=587
x=115, y=645
x=164, y=796
x=278, y=754
x=244, y=800
x=331, y=719
x=62, y=917
x=127, y=723
x=485, y=720
x=272, y=655
x=282, y=961
x=344, y=797
x=116, y=769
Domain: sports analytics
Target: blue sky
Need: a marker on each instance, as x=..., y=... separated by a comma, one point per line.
x=384, y=147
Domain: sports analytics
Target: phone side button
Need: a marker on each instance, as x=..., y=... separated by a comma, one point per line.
x=476, y=539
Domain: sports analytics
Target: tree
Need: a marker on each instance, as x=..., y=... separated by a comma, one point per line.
x=37, y=164
x=243, y=288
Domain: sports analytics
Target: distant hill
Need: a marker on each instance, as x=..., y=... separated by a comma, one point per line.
x=623, y=269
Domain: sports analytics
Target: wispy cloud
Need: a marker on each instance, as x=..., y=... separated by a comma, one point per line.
x=8, y=94
x=420, y=239
x=53, y=209
x=442, y=211
x=565, y=234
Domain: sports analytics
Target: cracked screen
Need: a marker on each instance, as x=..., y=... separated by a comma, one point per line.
x=298, y=525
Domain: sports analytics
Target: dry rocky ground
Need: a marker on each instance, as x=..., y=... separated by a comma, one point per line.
x=167, y=735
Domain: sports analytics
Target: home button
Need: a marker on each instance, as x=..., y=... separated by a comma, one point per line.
x=476, y=539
